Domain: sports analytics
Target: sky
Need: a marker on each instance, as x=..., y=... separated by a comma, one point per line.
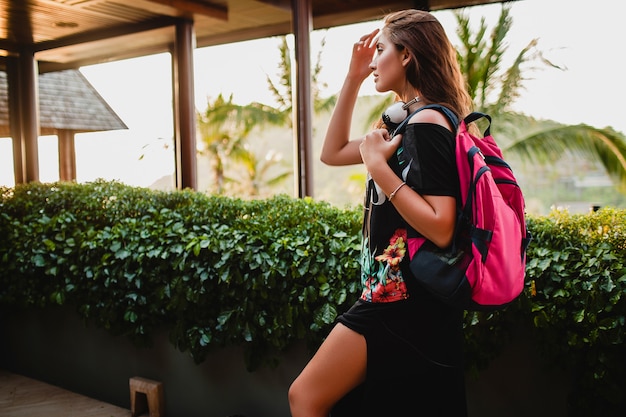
x=582, y=37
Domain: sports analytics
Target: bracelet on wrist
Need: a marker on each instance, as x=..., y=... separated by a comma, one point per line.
x=393, y=193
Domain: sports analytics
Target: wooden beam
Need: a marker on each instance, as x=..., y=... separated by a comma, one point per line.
x=281, y=4
x=15, y=120
x=29, y=113
x=302, y=102
x=106, y=33
x=457, y=4
x=67, y=155
x=197, y=6
x=184, y=107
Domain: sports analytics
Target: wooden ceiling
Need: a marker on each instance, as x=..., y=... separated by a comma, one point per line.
x=72, y=33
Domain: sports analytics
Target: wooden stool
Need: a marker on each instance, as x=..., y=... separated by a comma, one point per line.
x=146, y=395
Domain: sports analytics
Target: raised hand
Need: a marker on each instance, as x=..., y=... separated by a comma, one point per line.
x=362, y=55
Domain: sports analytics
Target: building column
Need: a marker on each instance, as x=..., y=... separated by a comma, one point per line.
x=29, y=114
x=184, y=106
x=302, y=101
x=15, y=120
x=67, y=155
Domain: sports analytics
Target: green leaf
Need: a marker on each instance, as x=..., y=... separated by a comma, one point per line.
x=122, y=254
x=130, y=316
x=326, y=315
x=39, y=261
x=205, y=340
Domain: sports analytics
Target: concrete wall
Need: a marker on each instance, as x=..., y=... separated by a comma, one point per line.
x=56, y=347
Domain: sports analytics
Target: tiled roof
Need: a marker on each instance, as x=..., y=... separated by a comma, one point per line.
x=66, y=101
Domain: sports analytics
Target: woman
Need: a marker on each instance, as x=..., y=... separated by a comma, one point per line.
x=397, y=351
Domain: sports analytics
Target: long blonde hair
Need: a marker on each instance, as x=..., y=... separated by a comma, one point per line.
x=434, y=69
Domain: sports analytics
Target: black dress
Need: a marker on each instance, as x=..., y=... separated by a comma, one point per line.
x=414, y=341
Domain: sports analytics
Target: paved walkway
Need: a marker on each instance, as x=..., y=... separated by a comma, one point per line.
x=25, y=397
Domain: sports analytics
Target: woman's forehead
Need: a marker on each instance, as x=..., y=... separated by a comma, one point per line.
x=381, y=37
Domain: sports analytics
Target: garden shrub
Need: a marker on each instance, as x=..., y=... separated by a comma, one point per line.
x=215, y=271
x=577, y=304
x=264, y=274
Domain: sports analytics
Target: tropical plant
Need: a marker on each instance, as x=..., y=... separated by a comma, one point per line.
x=282, y=89
x=495, y=88
x=262, y=173
x=226, y=126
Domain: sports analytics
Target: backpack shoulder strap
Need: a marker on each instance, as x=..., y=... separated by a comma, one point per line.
x=472, y=117
x=446, y=111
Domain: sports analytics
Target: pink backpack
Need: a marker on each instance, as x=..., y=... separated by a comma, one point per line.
x=485, y=266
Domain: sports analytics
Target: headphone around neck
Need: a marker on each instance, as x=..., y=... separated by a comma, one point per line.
x=396, y=113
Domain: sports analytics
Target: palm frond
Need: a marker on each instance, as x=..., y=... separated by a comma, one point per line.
x=604, y=145
x=512, y=81
x=326, y=104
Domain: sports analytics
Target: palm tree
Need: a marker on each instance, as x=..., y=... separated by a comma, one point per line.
x=224, y=128
x=495, y=89
x=262, y=173
x=282, y=89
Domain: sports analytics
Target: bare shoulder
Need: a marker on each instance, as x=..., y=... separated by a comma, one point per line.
x=431, y=116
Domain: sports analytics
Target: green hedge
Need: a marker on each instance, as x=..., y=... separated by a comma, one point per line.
x=264, y=274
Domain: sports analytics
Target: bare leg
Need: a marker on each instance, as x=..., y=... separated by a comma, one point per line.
x=338, y=366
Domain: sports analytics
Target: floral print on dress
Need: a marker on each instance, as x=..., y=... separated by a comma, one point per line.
x=381, y=275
